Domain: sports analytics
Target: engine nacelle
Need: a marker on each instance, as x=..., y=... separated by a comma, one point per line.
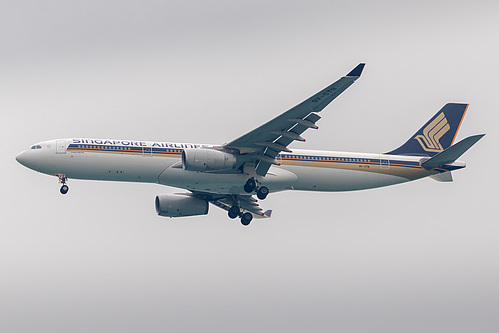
x=207, y=160
x=172, y=205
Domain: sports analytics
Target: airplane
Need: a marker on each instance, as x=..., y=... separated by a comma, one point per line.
x=258, y=163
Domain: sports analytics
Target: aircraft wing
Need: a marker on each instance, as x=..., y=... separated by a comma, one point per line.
x=263, y=144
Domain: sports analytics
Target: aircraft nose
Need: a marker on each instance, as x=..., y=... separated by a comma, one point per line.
x=21, y=158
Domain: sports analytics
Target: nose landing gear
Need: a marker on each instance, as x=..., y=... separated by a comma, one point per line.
x=64, y=189
x=62, y=179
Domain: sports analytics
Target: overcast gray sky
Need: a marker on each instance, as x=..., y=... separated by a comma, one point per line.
x=422, y=256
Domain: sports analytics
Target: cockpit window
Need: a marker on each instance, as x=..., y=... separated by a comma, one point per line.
x=36, y=147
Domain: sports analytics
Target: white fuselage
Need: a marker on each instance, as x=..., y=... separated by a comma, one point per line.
x=160, y=162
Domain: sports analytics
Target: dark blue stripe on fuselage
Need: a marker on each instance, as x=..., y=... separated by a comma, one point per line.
x=123, y=149
x=347, y=160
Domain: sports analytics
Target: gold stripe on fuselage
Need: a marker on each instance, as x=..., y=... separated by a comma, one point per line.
x=407, y=171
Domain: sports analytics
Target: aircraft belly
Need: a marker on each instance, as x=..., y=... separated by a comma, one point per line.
x=328, y=179
x=277, y=179
x=202, y=181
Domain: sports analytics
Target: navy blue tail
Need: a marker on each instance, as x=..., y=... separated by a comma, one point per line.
x=437, y=134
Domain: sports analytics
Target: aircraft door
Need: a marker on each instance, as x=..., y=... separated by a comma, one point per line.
x=384, y=162
x=147, y=151
x=60, y=147
x=279, y=159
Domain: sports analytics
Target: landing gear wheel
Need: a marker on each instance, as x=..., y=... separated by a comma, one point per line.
x=262, y=192
x=250, y=185
x=246, y=218
x=64, y=189
x=62, y=180
x=234, y=212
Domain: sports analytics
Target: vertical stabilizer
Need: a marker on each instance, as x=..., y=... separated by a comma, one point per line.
x=437, y=134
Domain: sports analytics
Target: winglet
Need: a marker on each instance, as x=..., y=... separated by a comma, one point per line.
x=267, y=213
x=357, y=70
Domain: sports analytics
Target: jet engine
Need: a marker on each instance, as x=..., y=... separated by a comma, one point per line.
x=172, y=205
x=207, y=160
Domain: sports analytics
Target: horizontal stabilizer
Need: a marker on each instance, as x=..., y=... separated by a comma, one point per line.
x=452, y=153
x=442, y=177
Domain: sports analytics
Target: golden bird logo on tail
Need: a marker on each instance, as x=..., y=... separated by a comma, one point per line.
x=432, y=133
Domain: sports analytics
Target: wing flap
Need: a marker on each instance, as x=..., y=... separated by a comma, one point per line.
x=246, y=202
x=284, y=140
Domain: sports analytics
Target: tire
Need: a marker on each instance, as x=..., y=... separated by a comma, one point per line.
x=250, y=185
x=234, y=212
x=262, y=192
x=64, y=189
x=246, y=219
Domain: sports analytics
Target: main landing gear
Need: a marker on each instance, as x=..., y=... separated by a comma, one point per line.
x=62, y=179
x=251, y=185
x=246, y=219
x=235, y=211
x=262, y=192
